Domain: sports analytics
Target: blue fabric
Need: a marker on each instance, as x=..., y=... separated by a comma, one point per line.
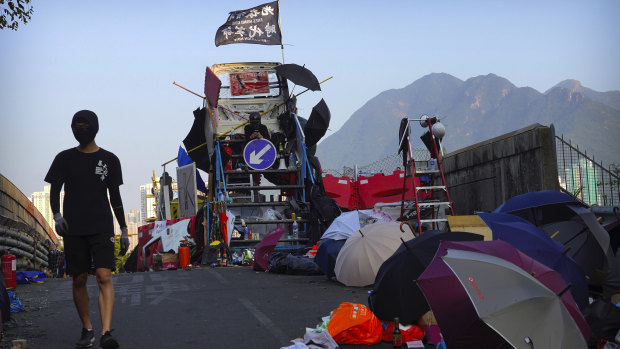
x=534, y=199
x=441, y=345
x=25, y=277
x=326, y=255
x=184, y=159
x=535, y=243
x=16, y=305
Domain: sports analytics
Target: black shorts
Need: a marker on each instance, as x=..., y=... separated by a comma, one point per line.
x=81, y=251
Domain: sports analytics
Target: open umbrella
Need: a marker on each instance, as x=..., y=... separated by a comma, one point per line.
x=317, y=124
x=299, y=75
x=536, y=244
x=327, y=254
x=266, y=247
x=349, y=222
x=363, y=253
x=535, y=199
x=396, y=292
x=568, y=222
x=478, y=290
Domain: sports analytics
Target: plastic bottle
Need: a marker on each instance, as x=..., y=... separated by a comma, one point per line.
x=224, y=259
x=245, y=230
x=397, y=339
x=292, y=161
x=295, y=226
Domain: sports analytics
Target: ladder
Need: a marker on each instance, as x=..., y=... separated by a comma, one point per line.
x=425, y=194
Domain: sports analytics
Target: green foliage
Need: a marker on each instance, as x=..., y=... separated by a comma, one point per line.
x=577, y=192
x=14, y=11
x=120, y=260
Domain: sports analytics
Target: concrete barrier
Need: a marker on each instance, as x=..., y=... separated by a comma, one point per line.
x=484, y=175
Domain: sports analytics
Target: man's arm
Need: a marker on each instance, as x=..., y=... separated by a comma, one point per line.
x=62, y=227
x=117, y=207
x=55, y=197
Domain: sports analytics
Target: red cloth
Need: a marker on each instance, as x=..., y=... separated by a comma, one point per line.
x=413, y=333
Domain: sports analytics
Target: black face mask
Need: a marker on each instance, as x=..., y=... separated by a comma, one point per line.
x=85, y=134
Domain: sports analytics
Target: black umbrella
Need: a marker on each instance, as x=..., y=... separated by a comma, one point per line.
x=396, y=292
x=403, y=139
x=568, y=222
x=317, y=124
x=299, y=75
x=196, y=137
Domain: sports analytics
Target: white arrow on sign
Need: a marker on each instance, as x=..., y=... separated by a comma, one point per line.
x=255, y=158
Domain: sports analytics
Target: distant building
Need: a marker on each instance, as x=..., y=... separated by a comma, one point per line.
x=148, y=203
x=41, y=200
x=133, y=221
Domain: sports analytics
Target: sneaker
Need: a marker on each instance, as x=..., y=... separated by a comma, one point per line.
x=87, y=339
x=108, y=342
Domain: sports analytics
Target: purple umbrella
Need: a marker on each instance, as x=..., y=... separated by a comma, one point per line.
x=266, y=247
x=537, y=244
x=455, y=310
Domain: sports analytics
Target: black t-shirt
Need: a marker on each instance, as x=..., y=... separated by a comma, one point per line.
x=87, y=177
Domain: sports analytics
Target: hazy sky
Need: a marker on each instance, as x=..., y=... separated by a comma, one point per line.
x=119, y=59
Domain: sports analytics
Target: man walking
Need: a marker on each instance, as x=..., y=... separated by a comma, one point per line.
x=89, y=173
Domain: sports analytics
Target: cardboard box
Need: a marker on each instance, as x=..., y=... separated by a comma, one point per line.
x=156, y=262
x=169, y=261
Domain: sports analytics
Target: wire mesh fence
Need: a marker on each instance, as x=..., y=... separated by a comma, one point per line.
x=584, y=178
x=385, y=166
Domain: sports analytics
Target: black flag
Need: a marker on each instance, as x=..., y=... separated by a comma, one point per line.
x=256, y=25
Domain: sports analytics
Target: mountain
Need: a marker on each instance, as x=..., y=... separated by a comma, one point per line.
x=475, y=110
x=610, y=98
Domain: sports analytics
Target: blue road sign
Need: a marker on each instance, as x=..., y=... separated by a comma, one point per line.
x=259, y=154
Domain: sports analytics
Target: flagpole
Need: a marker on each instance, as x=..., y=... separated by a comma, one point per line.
x=281, y=36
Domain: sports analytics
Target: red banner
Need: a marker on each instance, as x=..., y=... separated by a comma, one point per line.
x=250, y=83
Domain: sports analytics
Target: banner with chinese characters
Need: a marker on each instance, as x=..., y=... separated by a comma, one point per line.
x=257, y=25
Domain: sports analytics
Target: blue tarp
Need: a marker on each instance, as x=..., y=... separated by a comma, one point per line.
x=16, y=305
x=30, y=277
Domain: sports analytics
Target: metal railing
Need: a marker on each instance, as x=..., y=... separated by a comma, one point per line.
x=584, y=178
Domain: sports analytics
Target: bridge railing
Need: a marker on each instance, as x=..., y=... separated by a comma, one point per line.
x=581, y=176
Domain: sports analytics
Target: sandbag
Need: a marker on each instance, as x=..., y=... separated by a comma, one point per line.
x=354, y=323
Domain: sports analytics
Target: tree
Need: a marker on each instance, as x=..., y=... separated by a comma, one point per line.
x=16, y=10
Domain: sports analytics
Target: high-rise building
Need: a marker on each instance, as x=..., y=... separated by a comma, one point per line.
x=148, y=203
x=133, y=221
x=41, y=200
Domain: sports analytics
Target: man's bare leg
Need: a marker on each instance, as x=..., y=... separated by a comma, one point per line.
x=80, y=298
x=106, y=298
